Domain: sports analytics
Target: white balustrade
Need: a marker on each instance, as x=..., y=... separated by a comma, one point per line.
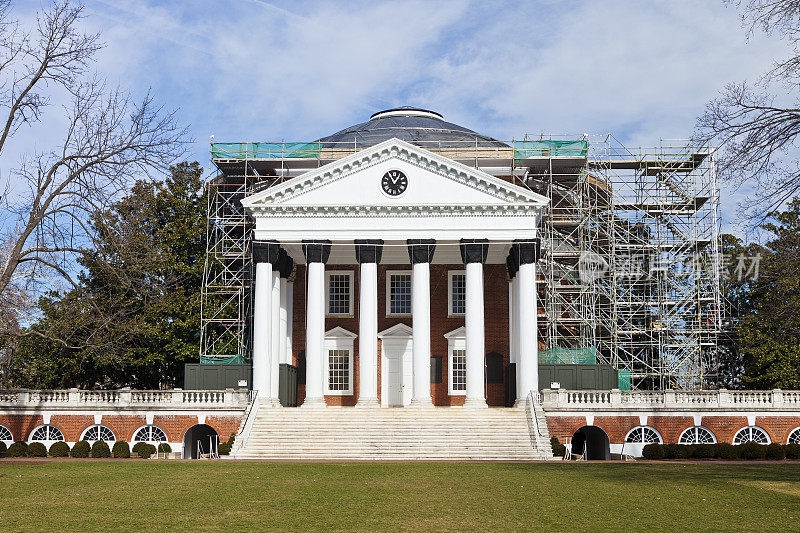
x=125, y=398
x=675, y=400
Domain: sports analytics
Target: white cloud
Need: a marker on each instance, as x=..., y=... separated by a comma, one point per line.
x=255, y=70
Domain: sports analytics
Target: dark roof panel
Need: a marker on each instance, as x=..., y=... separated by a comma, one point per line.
x=423, y=128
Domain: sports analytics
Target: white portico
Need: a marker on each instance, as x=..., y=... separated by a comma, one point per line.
x=391, y=204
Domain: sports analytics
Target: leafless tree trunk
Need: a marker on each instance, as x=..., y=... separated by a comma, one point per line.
x=54, y=199
x=757, y=124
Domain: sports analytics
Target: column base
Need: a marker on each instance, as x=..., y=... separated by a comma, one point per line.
x=367, y=402
x=475, y=403
x=313, y=402
x=521, y=403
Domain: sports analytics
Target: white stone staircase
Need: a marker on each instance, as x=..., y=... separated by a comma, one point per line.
x=405, y=434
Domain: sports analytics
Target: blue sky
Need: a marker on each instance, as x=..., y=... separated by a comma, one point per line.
x=256, y=70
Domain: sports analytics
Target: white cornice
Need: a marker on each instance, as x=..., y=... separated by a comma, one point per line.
x=506, y=193
x=396, y=211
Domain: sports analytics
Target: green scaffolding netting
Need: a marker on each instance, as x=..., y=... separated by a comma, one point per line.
x=550, y=148
x=232, y=360
x=568, y=356
x=264, y=150
x=624, y=377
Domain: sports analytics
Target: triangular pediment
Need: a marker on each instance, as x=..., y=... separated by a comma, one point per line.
x=355, y=181
x=340, y=333
x=396, y=331
x=458, y=333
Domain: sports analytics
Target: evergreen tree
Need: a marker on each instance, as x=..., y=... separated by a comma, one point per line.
x=134, y=320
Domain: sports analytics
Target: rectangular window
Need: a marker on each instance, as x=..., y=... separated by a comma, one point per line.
x=398, y=293
x=457, y=293
x=458, y=371
x=340, y=292
x=338, y=371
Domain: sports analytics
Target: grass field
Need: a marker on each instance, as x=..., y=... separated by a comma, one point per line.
x=164, y=495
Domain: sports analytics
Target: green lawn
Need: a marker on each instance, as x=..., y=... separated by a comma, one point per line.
x=164, y=495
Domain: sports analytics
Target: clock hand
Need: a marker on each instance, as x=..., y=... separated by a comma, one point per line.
x=394, y=180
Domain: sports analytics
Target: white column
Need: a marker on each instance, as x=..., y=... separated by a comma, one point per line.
x=262, y=329
x=289, y=320
x=421, y=334
x=284, y=319
x=528, y=348
x=275, y=338
x=315, y=335
x=512, y=349
x=368, y=336
x=475, y=336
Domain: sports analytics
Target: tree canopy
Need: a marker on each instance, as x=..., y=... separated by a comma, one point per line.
x=133, y=319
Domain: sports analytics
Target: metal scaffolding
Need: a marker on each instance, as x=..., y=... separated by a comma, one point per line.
x=630, y=263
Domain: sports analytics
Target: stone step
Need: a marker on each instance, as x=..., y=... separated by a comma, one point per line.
x=391, y=434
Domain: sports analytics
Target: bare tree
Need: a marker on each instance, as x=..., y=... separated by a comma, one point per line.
x=757, y=124
x=54, y=199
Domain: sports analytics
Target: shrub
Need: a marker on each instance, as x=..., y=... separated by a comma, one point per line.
x=100, y=450
x=775, y=452
x=163, y=447
x=729, y=452
x=145, y=450
x=81, y=450
x=653, y=451
x=793, y=451
x=59, y=449
x=138, y=446
x=558, y=448
x=37, y=449
x=121, y=450
x=3, y=449
x=703, y=451
x=17, y=449
x=677, y=451
x=225, y=447
x=752, y=451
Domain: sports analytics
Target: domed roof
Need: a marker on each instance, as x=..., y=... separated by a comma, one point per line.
x=424, y=128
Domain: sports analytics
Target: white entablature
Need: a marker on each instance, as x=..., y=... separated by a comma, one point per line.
x=443, y=199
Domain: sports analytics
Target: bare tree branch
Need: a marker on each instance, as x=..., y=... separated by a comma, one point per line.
x=55, y=214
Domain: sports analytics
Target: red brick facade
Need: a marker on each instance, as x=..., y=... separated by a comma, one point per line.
x=670, y=427
x=72, y=425
x=495, y=313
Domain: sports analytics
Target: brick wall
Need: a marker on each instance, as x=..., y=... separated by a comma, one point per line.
x=671, y=427
x=72, y=426
x=123, y=426
x=21, y=425
x=495, y=313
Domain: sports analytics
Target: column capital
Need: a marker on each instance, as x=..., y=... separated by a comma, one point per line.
x=285, y=264
x=266, y=252
x=474, y=250
x=525, y=251
x=368, y=250
x=511, y=267
x=421, y=250
x=316, y=251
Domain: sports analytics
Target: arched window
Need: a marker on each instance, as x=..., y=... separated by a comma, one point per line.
x=794, y=437
x=46, y=433
x=697, y=435
x=98, y=432
x=644, y=435
x=5, y=435
x=751, y=434
x=150, y=433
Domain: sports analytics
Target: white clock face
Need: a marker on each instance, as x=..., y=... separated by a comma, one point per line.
x=394, y=183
